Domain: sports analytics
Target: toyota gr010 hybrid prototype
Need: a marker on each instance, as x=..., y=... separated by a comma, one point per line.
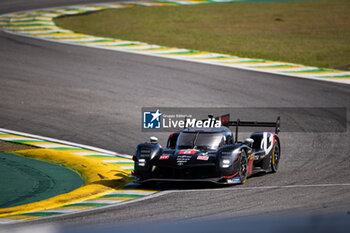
x=209, y=154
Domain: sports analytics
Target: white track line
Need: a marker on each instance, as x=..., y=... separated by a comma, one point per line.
x=8, y=221
x=126, y=167
x=131, y=192
x=117, y=161
x=65, y=210
x=88, y=153
x=17, y=138
x=103, y=201
x=65, y=142
x=53, y=146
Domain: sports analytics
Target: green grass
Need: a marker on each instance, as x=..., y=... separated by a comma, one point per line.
x=313, y=33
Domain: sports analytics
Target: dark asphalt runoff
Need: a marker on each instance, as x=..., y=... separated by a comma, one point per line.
x=94, y=97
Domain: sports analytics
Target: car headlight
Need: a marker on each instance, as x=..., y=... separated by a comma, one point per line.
x=226, y=161
x=142, y=162
x=229, y=157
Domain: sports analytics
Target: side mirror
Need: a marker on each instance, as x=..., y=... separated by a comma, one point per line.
x=249, y=141
x=153, y=140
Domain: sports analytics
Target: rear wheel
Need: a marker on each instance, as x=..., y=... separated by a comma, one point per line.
x=275, y=157
x=243, y=167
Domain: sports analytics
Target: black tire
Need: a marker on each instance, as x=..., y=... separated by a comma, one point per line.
x=275, y=157
x=243, y=167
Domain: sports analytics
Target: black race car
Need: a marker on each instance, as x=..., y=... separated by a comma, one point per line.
x=209, y=154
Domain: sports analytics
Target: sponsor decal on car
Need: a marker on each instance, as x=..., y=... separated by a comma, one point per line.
x=164, y=157
x=182, y=159
x=187, y=152
x=203, y=157
x=235, y=180
x=267, y=142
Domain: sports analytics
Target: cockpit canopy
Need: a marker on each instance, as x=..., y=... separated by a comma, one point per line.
x=203, y=140
x=197, y=140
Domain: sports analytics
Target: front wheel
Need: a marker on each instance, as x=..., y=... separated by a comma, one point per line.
x=243, y=167
x=275, y=157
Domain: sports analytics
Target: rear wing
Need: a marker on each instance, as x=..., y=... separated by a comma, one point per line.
x=225, y=121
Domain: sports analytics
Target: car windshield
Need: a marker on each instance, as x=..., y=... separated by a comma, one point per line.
x=198, y=140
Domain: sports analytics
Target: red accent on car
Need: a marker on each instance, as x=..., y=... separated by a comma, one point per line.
x=250, y=166
x=228, y=177
x=224, y=119
x=187, y=152
x=203, y=157
x=164, y=157
x=273, y=135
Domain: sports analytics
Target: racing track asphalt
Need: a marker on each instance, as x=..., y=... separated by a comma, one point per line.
x=94, y=97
